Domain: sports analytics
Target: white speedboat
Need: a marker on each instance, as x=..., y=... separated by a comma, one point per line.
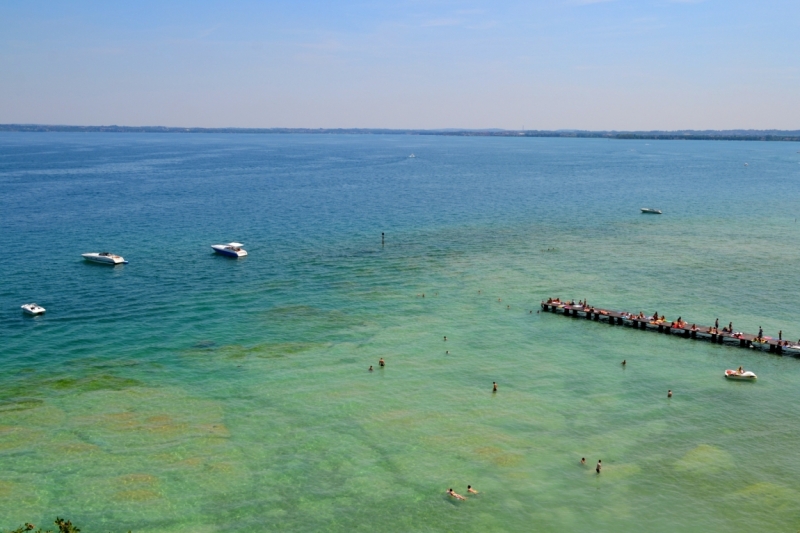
x=650, y=210
x=745, y=375
x=33, y=309
x=106, y=258
x=412, y=156
x=232, y=249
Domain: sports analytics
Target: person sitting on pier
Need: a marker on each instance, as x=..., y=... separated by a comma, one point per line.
x=694, y=327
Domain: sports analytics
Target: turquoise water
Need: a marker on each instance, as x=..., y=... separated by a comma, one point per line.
x=189, y=392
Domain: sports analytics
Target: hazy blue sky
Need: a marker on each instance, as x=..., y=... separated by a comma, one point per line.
x=616, y=64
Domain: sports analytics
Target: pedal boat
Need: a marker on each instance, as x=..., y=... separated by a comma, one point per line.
x=744, y=376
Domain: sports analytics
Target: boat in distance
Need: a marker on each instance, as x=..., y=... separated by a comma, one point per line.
x=105, y=258
x=33, y=309
x=232, y=249
x=744, y=375
x=651, y=210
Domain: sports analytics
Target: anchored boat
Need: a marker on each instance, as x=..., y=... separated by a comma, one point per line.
x=33, y=309
x=651, y=211
x=232, y=249
x=106, y=258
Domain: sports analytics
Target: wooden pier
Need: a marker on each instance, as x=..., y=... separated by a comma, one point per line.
x=687, y=331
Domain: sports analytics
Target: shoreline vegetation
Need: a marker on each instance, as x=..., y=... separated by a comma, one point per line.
x=687, y=135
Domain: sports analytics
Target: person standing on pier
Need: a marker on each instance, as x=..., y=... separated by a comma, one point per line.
x=760, y=333
x=780, y=335
x=716, y=324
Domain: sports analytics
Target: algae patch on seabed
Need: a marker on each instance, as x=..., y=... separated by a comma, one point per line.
x=768, y=496
x=704, y=459
x=262, y=351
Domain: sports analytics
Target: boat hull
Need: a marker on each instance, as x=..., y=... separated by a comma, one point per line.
x=746, y=376
x=222, y=250
x=104, y=259
x=33, y=310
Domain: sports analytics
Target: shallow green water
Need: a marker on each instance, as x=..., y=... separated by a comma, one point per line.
x=223, y=395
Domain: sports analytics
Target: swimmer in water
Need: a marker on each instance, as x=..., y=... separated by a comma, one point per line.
x=494, y=386
x=455, y=495
x=370, y=368
x=471, y=490
x=624, y=362
x=599, y=466
x=669, y=393
x=445, y=337
x=583, y=460
x=447, y=352
x=381, y=362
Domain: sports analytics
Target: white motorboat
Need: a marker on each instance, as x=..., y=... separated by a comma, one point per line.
x=232, y=249
x=651, y=211
x=412, y=156
x=33, y=309
x=745, y=375
x=106, y=258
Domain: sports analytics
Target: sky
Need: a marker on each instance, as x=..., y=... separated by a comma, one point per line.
x=537, y=64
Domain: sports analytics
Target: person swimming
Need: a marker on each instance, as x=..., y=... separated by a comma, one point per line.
x=471, y=490
x=599, y=466
x=381, y=362
x=455, y=495
x=370, y=368
x=583, y=460
x=669, y=393
x=494, y=386
x=624, y=362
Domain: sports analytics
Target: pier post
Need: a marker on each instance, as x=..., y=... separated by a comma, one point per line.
x=742, y=343
x=779, y=349
x=771, y=347
x=713, y=337
x=596, y=317
x=694, y=334
x=660, y=328
x=566, y=312
x=588, y=315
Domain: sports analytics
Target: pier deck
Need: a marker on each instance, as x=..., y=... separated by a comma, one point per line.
x=709, y=333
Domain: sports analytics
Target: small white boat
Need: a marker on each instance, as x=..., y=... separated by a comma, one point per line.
x=232, y=249
x=650, y=210
x=33, y=309
x=412, y=156
x=745, y=375
x=106, y=258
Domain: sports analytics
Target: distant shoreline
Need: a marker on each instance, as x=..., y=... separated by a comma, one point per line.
x=684, y=135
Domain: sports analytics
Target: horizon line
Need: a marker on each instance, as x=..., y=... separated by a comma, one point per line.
x=680, y=134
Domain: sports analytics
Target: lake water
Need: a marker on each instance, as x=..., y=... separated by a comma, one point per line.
x=190, y=392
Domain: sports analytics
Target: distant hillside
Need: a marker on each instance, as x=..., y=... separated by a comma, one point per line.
x=691, y=135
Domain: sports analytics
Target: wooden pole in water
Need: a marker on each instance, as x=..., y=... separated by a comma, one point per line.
x=382, y=238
